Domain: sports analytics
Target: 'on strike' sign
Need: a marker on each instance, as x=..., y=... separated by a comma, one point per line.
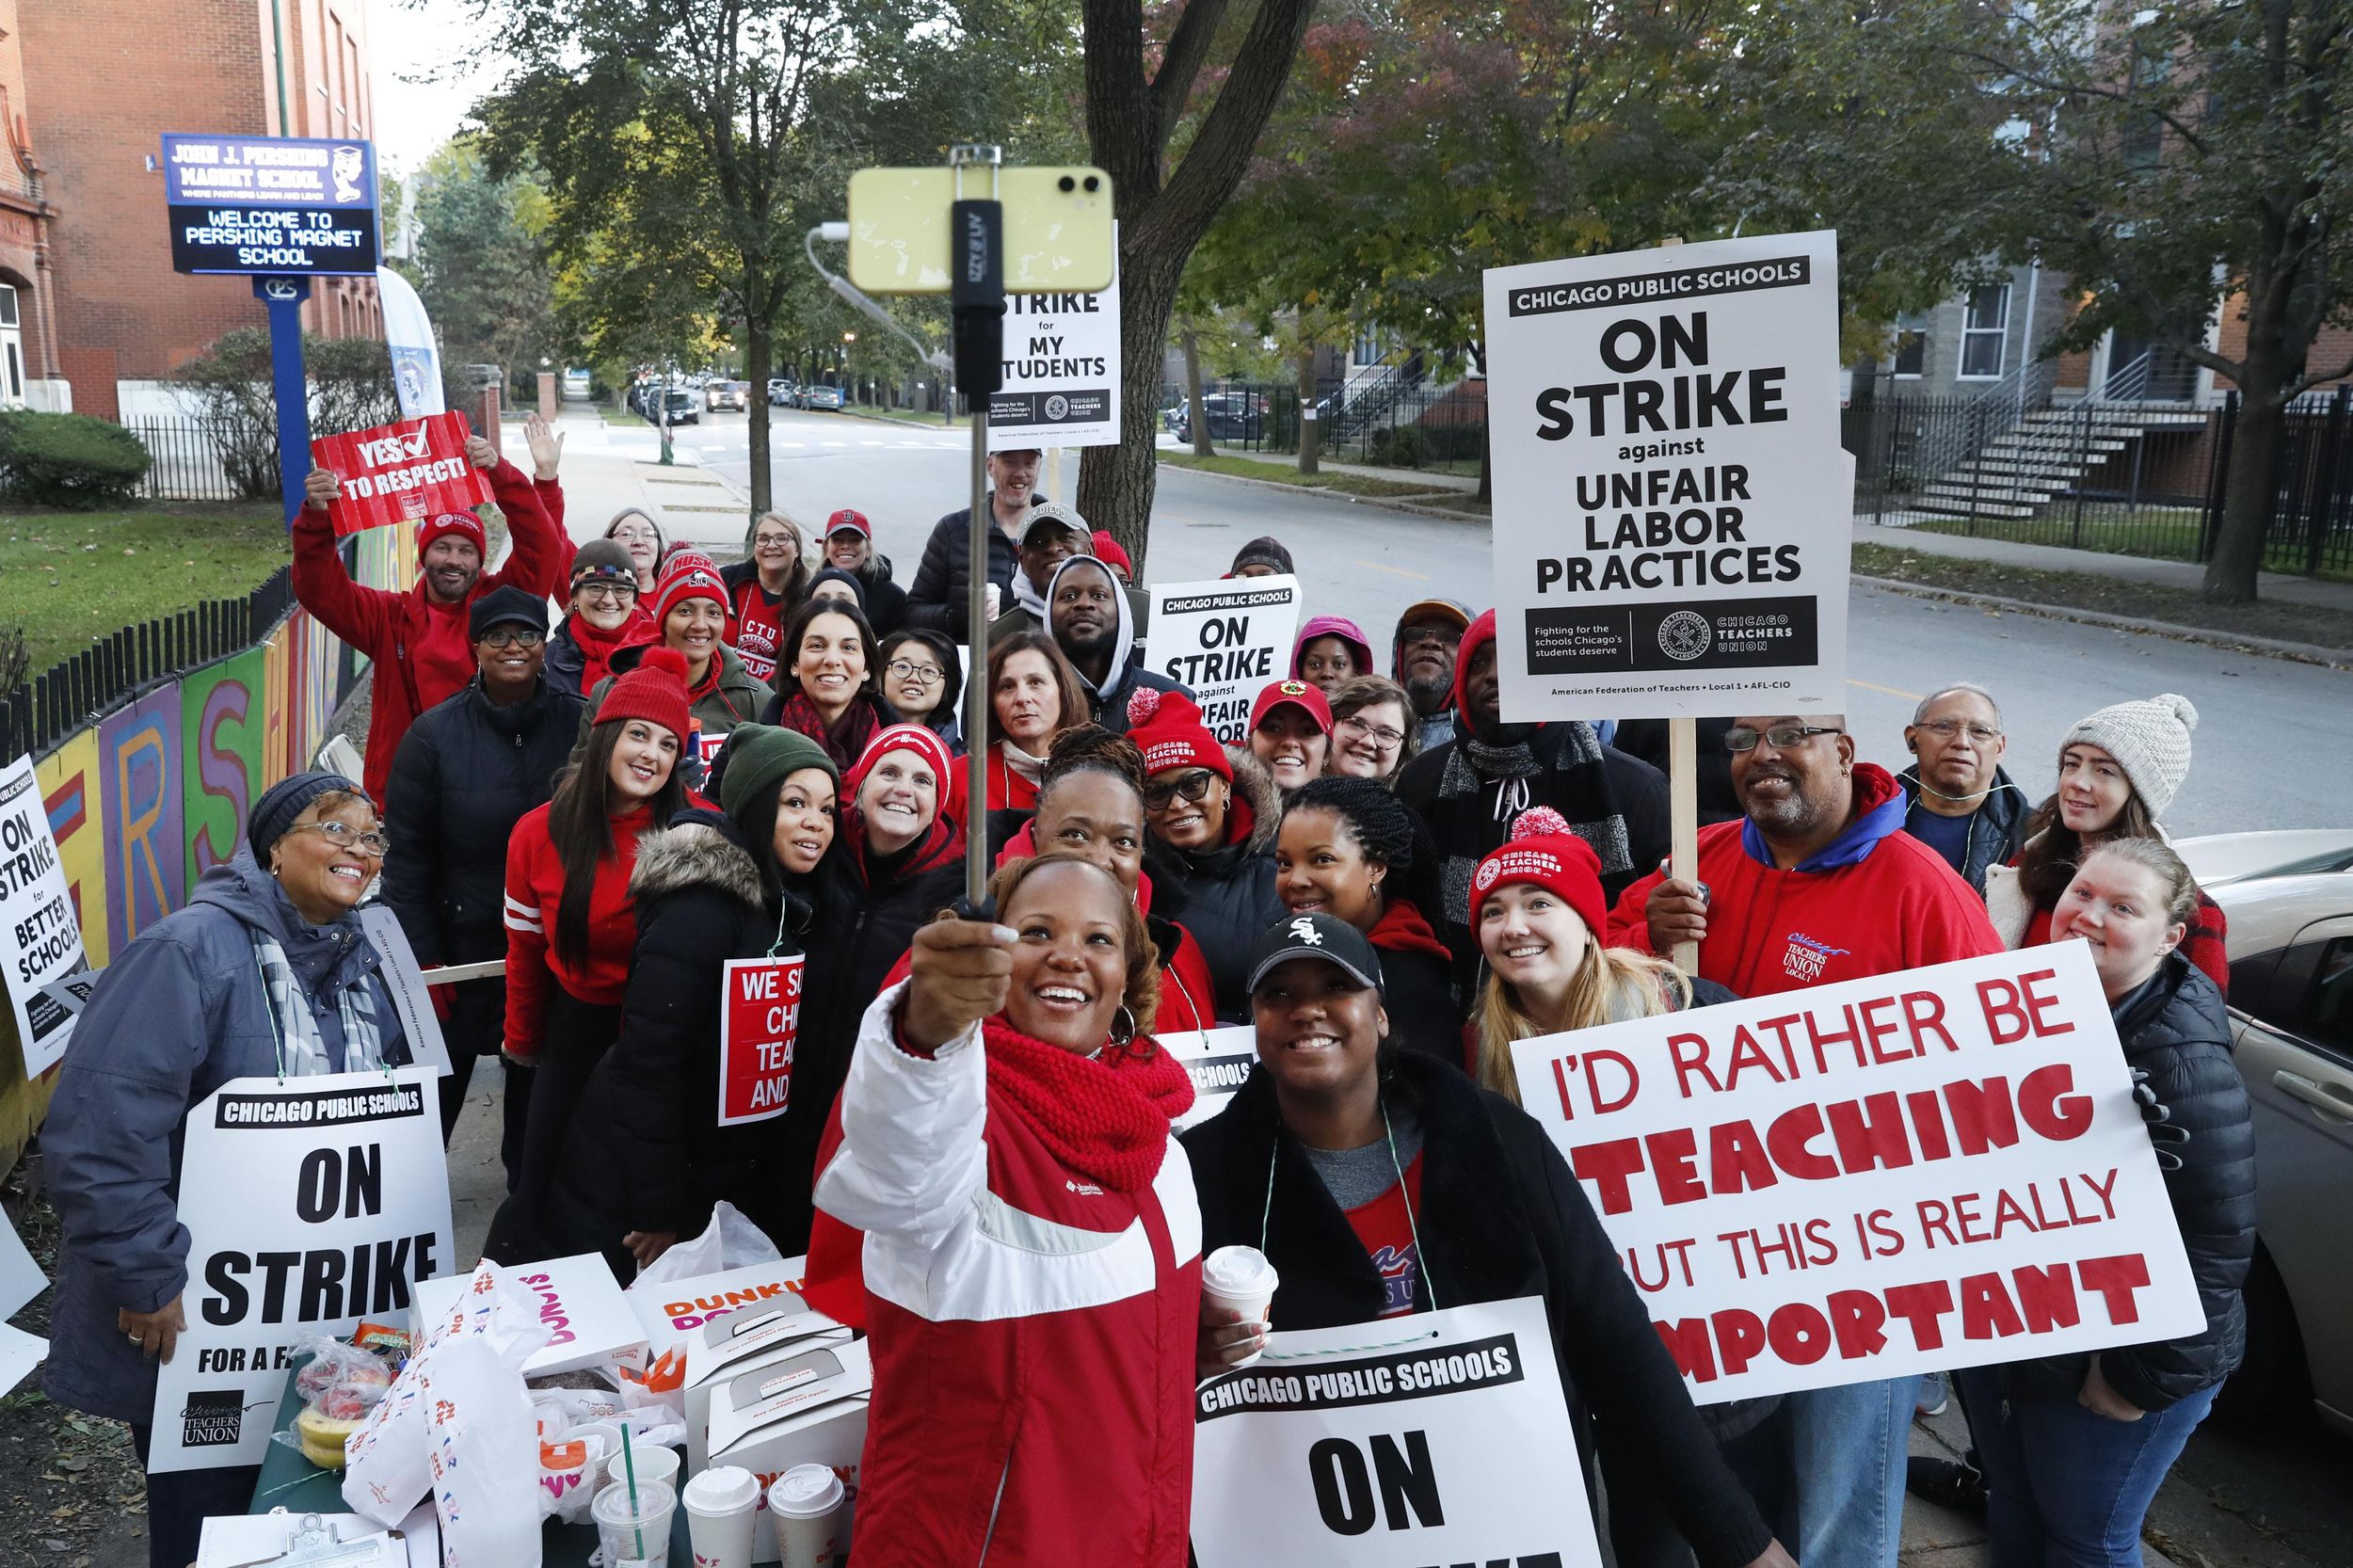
x=1941, y=1167
x=1223, y=641
x=759, y=1019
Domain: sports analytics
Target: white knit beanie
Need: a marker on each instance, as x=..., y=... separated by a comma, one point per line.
x=2149, y=740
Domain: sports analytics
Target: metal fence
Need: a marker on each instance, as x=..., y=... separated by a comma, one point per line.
x=1387, y=423
x=2133, y=478
x=76, y=691
x=206, y=459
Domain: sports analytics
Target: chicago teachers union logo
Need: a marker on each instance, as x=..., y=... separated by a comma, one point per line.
x=1806, y=957
x=1057, y=407
x=1684, y=635
x=213, y=1419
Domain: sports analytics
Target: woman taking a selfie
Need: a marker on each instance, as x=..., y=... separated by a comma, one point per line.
x=1381, y=1182
x=2074, y=1447
x=1032, y=1404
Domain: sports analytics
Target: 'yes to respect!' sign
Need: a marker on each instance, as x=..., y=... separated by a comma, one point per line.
x=1442, y=1437
x=1941, y=1167
x=402, y=472
x=1225, y=640
x=759, y=1019
x=310, y=1204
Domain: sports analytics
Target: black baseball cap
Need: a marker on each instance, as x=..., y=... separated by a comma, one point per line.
x=1314, y=935
x=505, y=606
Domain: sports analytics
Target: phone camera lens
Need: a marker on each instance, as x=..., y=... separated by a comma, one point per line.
x=1094, y=183
x=1067, y=183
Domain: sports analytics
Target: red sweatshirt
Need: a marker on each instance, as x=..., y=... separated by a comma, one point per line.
x=417, y=644
x=1874, y=902
x=534, y=891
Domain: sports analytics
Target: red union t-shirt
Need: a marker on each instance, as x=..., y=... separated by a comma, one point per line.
x=1386, y=1230
x=757, y=628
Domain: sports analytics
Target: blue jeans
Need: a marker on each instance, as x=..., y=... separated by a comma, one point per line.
x=2069, y=1488
x=1846, y=1448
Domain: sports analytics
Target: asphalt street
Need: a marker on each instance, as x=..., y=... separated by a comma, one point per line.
x=2273, y=749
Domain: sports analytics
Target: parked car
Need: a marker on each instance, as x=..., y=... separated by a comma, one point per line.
x=2291, y=949
x=1231, y=416
x=780, y=389
x=685, y=407
x=726, y=395
x=576, y=384
x=818, y=395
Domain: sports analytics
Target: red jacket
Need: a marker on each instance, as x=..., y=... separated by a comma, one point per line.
x=534, y=891
x=418, y=645
x=1876, y=901
x=1032, y=1329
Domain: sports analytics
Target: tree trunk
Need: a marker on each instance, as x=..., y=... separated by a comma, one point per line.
x=2251, y=492
x=1310, y=432
x=1196, y=428
x=759, y=349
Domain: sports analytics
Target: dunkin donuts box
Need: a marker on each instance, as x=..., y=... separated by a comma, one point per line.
x=581, y=1303
x=670, y=1313
x=805, y=1406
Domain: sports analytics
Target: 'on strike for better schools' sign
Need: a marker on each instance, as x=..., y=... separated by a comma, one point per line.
x=1671, y=515
x=1941, y=1167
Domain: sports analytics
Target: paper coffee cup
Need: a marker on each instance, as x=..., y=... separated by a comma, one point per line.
x=722, y=1511
x=654, y=1463
x=1239, y=1279
x=805, y=1503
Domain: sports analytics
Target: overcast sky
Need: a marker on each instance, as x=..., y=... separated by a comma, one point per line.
x=409, y=37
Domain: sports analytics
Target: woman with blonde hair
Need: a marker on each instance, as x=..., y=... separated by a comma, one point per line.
x=764, y=588
x=1538, y=911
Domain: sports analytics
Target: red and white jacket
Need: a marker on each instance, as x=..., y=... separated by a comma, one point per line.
x=534, y=891
x=1033, y=1334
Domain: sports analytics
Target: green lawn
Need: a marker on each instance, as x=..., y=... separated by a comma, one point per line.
x=67, y=577
x=2157, y=533
x=1279, y=472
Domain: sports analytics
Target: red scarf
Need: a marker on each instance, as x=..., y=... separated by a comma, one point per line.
x=1105, y=1116
x=596, y=647
x=1401, y=929
x=845, y=741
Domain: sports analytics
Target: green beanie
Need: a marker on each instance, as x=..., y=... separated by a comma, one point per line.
x=760, y=757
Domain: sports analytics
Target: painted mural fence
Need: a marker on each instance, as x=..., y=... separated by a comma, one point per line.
x=150, y=747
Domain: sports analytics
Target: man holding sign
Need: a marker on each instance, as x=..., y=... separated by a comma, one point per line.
x=417, y=639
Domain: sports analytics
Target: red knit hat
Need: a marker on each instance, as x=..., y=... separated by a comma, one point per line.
x=923, y=742
x=1541, y=850
x=465, y=525
x=684, y=578
x=1305, y=695
x=1167, y=728
x=1478, y=634
x=1108, y=551
x=655, y=691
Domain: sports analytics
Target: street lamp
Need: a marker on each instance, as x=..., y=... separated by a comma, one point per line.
x=847, y=339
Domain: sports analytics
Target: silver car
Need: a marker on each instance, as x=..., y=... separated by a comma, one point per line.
x=2289, y=902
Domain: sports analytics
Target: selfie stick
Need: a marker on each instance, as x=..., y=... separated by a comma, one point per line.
x=976, y=310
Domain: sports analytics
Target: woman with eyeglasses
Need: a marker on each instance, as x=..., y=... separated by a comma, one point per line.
x=1381, y=1182
x=825, y=686
x=690, y=612
x=1034, y=694
x=604, y=619
x=571, y=922
x=1213, y=814
x=265, y=972
x=637, y=533
x=1374, y=732
x=922, y=680
x=2117, y=772
x=764, y=588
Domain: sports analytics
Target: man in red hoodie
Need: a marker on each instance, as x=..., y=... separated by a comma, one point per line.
x=1816, y=883
x=417, y=640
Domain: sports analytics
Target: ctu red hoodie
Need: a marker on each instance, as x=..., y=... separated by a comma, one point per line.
x=1876, y=901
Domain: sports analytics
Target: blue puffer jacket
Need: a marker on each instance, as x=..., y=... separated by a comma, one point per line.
x=179, y=1013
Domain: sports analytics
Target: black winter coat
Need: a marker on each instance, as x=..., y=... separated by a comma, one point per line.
x=1997, y=828
x=2175, y=1029
x=468, y=771
x=886, y=601
x=1501, y=1218
x=1226, y=896
x=936, y=599
x=1646, y=740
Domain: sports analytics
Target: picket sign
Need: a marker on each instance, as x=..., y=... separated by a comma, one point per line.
x=1223, y=641
x=1440, y=1437
x=1217, y=1061
x=400, y=472
x=1061, y=371
x=41, y=936
x=404, y=982
x=759, y=1019
x=1938, y=1168
x=310, y=1204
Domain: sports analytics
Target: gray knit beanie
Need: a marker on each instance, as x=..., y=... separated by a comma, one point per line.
x=2150, y=741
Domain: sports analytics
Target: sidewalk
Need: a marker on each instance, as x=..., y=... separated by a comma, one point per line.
x=2188, y=575
x=607, y=467
x=1467, y=483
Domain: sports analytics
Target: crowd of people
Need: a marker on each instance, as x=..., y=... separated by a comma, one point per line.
x=689, y=763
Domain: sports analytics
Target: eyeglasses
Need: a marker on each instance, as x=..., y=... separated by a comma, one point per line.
x=609, y=593
x=633, y=536
x=1944, y=730
x=774, y=541
x=907, y=669
x=1195, y=785
x=344, y=836
x=513, y=637
x=1740, y=738
x=1382, y=737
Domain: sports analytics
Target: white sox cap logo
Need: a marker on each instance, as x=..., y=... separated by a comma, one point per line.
x=1304, y=930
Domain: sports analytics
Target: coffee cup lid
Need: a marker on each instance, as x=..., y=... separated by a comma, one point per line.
x=1242, y=1271
x=805, y=1489
x=654, y=1499
x=722, y=1489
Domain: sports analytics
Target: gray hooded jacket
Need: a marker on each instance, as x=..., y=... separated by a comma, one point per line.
x=1127, y=674
x=181, y=1010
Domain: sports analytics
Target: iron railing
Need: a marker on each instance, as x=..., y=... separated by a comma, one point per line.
x=207, y=459
x=1387, y=423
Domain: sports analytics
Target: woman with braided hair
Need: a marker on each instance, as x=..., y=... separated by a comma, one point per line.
x=1348, y=849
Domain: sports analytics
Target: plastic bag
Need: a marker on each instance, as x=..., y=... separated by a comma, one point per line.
x=339, y=1387
x=730, y=1241
x=484, y=1451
